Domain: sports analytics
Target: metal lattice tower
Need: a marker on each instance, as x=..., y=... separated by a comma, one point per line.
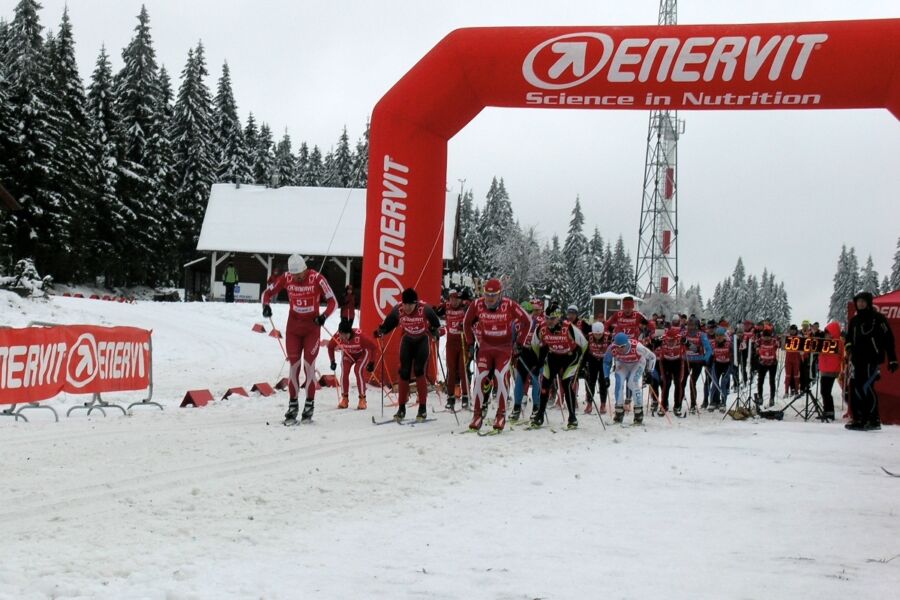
x=656, y=268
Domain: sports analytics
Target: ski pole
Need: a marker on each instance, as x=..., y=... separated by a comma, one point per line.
x=381, y=350
x=280, y=343
x=659, y=402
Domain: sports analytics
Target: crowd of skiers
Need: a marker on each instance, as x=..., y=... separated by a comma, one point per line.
x=497, y=349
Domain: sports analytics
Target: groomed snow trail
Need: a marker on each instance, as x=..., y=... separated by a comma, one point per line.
x=216, y=503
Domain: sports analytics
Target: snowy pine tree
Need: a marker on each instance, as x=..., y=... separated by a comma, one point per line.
x=621, y=270
x=312, y=176
x=36, y=231
x=111, y=217
x=556, y=282
x=846, y=284
x=165, y=266
x=466, y=234
x=520, y=261
x=193, y=152
x=301, y=166
x=895, y=270
x=598, y=274
x=263, y=156
x=285, y=167
x=577, y=258
x=339, y=167
x=251, y=141
x=886, y=285
x=232, y=164
x=868, y=278
x=690, y=302
x=497, y=216
x=72, y=154
x=360, y=167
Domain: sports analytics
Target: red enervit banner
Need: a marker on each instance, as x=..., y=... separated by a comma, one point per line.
x=37, y=363
x=751, y=66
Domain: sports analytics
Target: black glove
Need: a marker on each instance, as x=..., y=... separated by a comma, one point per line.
x=516, y=350
x=267, y=311
x=333, y=366
x=320, y=320
x=892, y=366
x=370, y=367
x=436, y=333
x=606, y=381
x=378, y=333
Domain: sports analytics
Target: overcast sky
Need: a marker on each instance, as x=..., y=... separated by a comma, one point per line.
x=781, y=189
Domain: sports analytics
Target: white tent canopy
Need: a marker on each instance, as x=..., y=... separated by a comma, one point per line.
x=258, y=220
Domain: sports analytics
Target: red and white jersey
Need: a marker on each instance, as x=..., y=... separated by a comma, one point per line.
x=722, y=351
x=304, y=295
x=767, y=350
x=635, y=352
x=454, y=317
x=497, y=324
x=416, y=323
x=355, y=347
x=630, y=325
x=596, y=348
x=672, y=348
x=565, y=339
x=746, y=337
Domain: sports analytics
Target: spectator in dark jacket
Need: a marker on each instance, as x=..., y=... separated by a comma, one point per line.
x=869, y=341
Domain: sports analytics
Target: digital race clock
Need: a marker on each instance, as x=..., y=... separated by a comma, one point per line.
x=810, y=344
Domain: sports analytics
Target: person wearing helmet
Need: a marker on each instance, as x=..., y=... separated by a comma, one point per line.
x=504, y=330
x=598, y=344
x=627, y=320
x=306, y=289
x=358, y=352
x=697, y=352
x=671, y=355
x=767, y=363
x=454, y=312
x=527, y=368
x=418, y=321
x=574, y=319
x=869, y=342
x=632, y=359
x=720, y=370
x=560, y=347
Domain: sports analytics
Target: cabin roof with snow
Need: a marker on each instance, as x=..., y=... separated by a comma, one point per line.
x=285, y=220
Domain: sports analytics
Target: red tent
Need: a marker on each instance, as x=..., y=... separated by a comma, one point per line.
x=889, y=386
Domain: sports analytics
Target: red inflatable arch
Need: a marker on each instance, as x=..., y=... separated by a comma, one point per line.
x=837, y=64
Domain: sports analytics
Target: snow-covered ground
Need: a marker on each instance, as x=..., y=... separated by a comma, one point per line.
x=223, y=502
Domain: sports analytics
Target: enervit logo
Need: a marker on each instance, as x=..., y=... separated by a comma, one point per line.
x=81, y=368
x=392, y=236
x=387, y=291
x=569, y=60
x=572, y=49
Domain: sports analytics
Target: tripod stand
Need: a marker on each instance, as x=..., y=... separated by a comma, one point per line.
x=811, y=406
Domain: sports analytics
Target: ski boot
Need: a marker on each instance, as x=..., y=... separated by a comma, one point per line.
x=589, y=404
x=662, y=410
x=679, y=412
x=705, y=405
x=711, y=407
x=620, y=414
x=362, y=403
x=722, y=408
x=638, y=415
x=537, y=420
x=603, y=408
x=693, y=409
x=401, y=413
x=422, y=414
x=293, y=408
x=451, y=403
x=306, y=415
x=654, y=408
x=500, y=420
x=873, y=425
x=516, y=414
x=345, y=401
x=465, y=403
x=573, y=422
